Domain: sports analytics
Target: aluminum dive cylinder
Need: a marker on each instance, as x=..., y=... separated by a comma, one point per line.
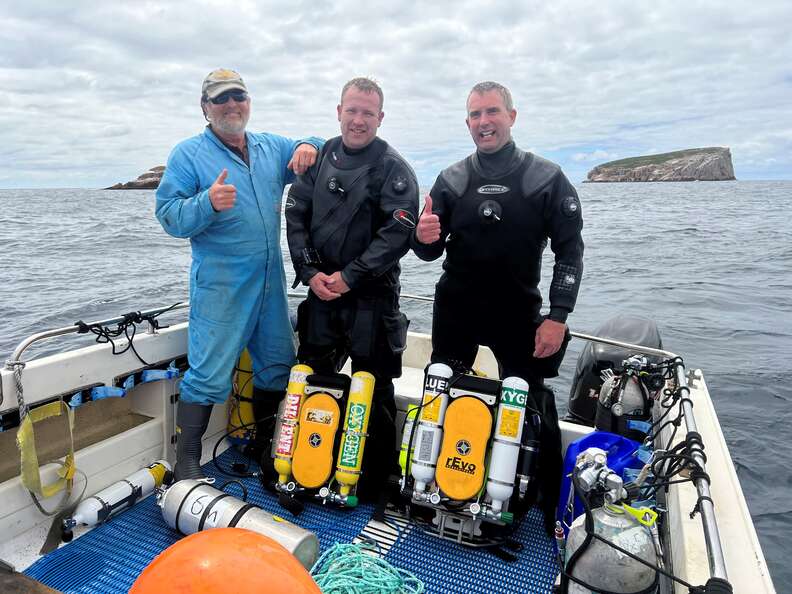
x=506, y=441
x=353, y=439
x=288, y=421
x=603, y=567
x=622, y=398
x=190, y=506
x=430, y=423
x=117, y=497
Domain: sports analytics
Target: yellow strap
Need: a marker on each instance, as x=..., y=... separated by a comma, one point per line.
x=26, y=442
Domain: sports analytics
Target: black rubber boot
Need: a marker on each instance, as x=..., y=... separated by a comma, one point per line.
x=265, y=409
x=191, y=422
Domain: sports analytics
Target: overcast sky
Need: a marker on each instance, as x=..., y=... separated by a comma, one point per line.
x=94, y=93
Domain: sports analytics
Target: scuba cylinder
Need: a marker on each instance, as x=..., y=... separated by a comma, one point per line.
x=405, y=450
x=624, y=399
x=117, y=497
x=595, y=563
x=603, y=567
x=506, y=441
x=353, y=440
x=288, y=422
x=190, y=506
x=241, y=419
x=430, y=422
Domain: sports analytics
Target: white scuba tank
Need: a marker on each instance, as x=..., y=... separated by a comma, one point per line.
x=190, y=506
x=117, y=497
x=429, y=433
x=602, y=566
x=506, y=441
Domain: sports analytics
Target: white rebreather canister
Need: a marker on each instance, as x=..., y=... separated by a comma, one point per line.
x=190, y=506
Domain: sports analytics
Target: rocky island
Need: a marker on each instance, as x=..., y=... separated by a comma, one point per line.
x=147, y=181
x=701, y=164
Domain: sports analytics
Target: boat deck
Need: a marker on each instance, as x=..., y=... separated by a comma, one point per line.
x=108, y=559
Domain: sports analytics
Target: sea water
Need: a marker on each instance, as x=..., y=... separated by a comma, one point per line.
x=710, y=262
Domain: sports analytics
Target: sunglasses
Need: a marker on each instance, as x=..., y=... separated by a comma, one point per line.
x=238, y=96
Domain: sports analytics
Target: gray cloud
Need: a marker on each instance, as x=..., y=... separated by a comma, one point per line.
x=95, y=93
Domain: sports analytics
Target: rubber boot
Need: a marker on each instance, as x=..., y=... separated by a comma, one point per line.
x=265, y=409
x=191, y=422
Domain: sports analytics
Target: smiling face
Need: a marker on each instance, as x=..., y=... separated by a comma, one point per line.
x=360, y=114
x=489, y=121
x=229, y=118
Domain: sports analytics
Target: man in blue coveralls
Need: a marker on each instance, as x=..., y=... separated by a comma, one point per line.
x=222, y=189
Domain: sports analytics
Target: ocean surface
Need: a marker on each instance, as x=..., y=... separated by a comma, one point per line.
x=711, y=263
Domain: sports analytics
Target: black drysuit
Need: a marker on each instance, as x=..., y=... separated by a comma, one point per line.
x=497, y=212
x=355, y=212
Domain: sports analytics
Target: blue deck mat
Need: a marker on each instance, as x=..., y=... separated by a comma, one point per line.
x=108, y=559
x=448, y=568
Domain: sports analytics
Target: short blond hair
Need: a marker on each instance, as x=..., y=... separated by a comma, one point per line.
x=367, y=85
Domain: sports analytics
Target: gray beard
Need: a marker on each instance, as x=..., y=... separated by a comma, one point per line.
x=225, y=128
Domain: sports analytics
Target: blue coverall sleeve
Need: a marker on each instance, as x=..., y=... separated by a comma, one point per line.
x=182, y=208
x=288, y=146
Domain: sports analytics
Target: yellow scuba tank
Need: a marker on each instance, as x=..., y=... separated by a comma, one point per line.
x=407, y=434
x=353, y=440
x=460, y=466
x=241, y=420
x=313, y=455
x=288, y=422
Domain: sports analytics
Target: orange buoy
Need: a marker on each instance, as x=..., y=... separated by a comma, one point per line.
x=225, y=561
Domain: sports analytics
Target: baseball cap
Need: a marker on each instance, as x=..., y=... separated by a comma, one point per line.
x=221, y=80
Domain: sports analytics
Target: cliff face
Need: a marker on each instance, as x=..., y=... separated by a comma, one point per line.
x=703, y=164
x=147, y=181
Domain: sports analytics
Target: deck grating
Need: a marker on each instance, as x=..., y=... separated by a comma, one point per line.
x=108, y=559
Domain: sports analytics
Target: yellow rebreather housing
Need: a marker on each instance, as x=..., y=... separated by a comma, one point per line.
x=353, y=440
x=460, y=466
x=240, y=415
x=288, y=424
x=313, y=457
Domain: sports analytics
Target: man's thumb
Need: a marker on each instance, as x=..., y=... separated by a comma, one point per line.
x=428, y=205
x=222, y=177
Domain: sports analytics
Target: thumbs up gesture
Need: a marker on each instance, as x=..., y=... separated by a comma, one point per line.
x=222, y=195
x=428, y=228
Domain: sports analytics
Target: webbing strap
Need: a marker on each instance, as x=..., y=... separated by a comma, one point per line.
x=26, y=442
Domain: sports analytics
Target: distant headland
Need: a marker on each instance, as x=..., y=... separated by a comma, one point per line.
x=147, y=181
x=700, y=164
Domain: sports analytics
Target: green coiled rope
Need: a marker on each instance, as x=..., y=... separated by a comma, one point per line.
x=353, y=569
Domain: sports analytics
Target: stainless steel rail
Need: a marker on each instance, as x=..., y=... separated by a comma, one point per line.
x=716, y=560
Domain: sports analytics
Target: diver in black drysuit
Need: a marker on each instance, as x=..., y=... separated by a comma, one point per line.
x=497, y=212
x=354, y=212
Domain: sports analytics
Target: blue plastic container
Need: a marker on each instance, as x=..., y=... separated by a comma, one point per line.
x=621, y=454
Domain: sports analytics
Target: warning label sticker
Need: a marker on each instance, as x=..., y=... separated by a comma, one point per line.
x=509, y=422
